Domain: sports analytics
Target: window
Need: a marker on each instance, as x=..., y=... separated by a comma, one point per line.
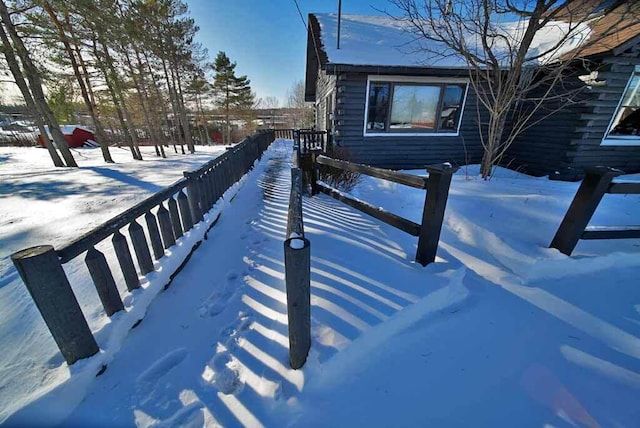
x=414, y=107
x=625, y=126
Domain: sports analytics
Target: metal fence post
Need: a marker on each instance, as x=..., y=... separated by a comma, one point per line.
x=592, y=189
x=42, y=273
x=297, y=261
x=435, y=204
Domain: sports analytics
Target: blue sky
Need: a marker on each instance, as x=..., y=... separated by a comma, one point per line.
x=266, y=37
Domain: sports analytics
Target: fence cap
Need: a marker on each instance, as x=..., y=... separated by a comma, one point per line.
x=443, y=168
x=31, y=252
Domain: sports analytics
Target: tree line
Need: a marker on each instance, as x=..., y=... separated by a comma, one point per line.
x=133, y=64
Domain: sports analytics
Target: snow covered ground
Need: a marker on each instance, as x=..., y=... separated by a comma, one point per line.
x=41, y=204
x=500, y=331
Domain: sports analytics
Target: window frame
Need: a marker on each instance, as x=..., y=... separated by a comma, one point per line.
x=621, y=140
x=417, y=81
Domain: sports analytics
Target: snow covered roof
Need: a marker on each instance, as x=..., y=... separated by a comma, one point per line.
x=385, y=41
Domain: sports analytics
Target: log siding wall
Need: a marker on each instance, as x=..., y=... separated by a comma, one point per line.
x=586, y=150
x=569, y=141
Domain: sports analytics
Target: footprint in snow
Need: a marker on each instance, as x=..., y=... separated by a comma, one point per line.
x=148, y=382
x=219, y=299
x=190, y=416
x=223, y=373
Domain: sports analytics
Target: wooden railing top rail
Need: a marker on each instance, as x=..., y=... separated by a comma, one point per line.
x=624, y=188
x=385, y=174
x=437, y=187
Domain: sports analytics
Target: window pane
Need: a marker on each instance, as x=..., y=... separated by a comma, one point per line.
x=627, y=118
x=414, y=107
x=451, y=108
x=627, y=123
x=378, y=106
x=632, y=96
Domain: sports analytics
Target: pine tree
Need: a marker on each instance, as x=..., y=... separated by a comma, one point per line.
x=233, y=93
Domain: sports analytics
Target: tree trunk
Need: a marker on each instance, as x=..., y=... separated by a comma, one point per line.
x=35, y=83
x=110, y=87
x=14, y=67
x=141, y=98
x=492, y=148
x=81, y=83
x=173, y=104
x=183, y=111
x=117, y=87
x=157, y=120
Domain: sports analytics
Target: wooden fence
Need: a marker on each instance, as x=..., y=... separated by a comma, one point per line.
x=574, y=227
x=167, y=214
x=437, y=187
x=297, y=261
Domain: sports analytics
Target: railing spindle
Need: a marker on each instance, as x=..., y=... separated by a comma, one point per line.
x=125, y=261
x=141, y=248
x=104, y=282
x=165, y=226
x=154, y=235
x=175, y=218
x=185, y=211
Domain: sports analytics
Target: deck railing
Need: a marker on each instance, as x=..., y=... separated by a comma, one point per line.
x=437, y=187
x=167, y=215
x=597, y=182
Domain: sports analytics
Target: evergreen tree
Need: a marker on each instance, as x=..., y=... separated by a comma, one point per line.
x=233, y=94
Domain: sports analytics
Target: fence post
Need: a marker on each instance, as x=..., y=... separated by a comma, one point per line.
x=42, y=273
x=297, y=265
x=433, y=213
x=315, y=172
x=593, y=187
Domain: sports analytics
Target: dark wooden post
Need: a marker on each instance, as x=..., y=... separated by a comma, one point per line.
x=314, y=173
x=125, y=260
x=104, y=282
x=217, y=183
x=165, y=226
x=194, y=196
x=185, y=211
x=592, y=189
x=141, y=248
x=42, y=273
x=435, y=204
x=175, y=218
x=297, y=261
x=154, y=235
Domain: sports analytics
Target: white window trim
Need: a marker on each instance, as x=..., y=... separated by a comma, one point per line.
x=621, y=140
x=413, y=79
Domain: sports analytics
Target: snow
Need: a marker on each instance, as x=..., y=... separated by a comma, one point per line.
x=296, y=244
x=385, y=41
x=42, y=204
x=500, y=331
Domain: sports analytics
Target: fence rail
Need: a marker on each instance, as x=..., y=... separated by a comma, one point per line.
x=167, y=215
x=436, y=184
x=297, y=260
x=597, y=182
